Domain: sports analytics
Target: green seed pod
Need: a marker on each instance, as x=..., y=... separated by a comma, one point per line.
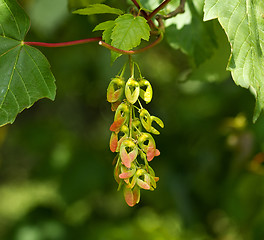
x=132, y=90
x=159, y=122
x=127, y=172
x=148, y=145
x=142, y=179
x=153, y=178
x=124, y=131
x=121, y=116
x=115, y=89
x=117, y=169
x=145, y=90
x=145, y=119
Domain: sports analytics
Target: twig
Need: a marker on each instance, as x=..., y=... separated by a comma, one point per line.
x=64, y=44
x=156, y=10
x=131, y=52
x=179, y=9
x=136, y=3
x=145, y=14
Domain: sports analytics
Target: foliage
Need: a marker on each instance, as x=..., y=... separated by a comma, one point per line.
x=55, y=176
x=98, y=9
x=244, y=24
x=128, y=32
x=25, y=72
x=189, y=33
x=125, y=32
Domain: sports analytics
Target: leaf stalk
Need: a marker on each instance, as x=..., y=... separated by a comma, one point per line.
x=160, y=7
x=131, y=52
x=64, y=44
x=179, y=9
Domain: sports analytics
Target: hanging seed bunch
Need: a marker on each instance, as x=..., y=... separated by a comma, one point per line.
x=131, y=135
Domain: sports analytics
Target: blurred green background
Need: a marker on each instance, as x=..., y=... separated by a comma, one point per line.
x=56, y=172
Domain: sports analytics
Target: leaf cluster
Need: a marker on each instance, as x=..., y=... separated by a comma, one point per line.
x=25, y=72
x=125, y=32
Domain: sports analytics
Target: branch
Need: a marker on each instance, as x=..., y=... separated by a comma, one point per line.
x=179, y=9
x=161, y=6
x=145, y=14
x=64, y=44
x=130, y=52
x=136, y=4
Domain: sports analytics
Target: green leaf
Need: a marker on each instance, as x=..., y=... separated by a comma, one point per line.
x=243, y=23
x=107, y=28
x=14, y=23
x=214, y=68
x=190, y=34
x=128, y=32
x=98, y=9
x=25, y=74
x=82, y=3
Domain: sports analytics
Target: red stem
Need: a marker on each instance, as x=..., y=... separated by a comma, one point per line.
x=64, y=44
x=156, y=10
x=158, y=40
x=136, y=3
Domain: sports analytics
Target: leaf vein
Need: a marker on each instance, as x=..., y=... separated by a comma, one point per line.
x=2, y=30
x=126, y=33
x=245, y=41
x=10, y=80
x=229, y=19
x=19, y=32
x=213, y=6
x=244, y=74
x=14, y=96
x=9, y=50
x=6, y=113
x=24, y=85
x=39, y=71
